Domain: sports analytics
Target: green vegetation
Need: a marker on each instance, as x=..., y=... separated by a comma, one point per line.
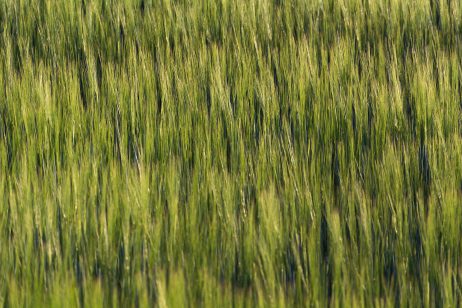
x=230, y=153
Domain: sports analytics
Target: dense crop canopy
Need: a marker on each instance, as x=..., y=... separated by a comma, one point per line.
x=230, y=152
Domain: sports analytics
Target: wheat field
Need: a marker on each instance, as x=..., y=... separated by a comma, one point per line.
x=230, y=153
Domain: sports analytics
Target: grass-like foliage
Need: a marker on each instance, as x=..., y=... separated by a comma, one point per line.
x=230, y=153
